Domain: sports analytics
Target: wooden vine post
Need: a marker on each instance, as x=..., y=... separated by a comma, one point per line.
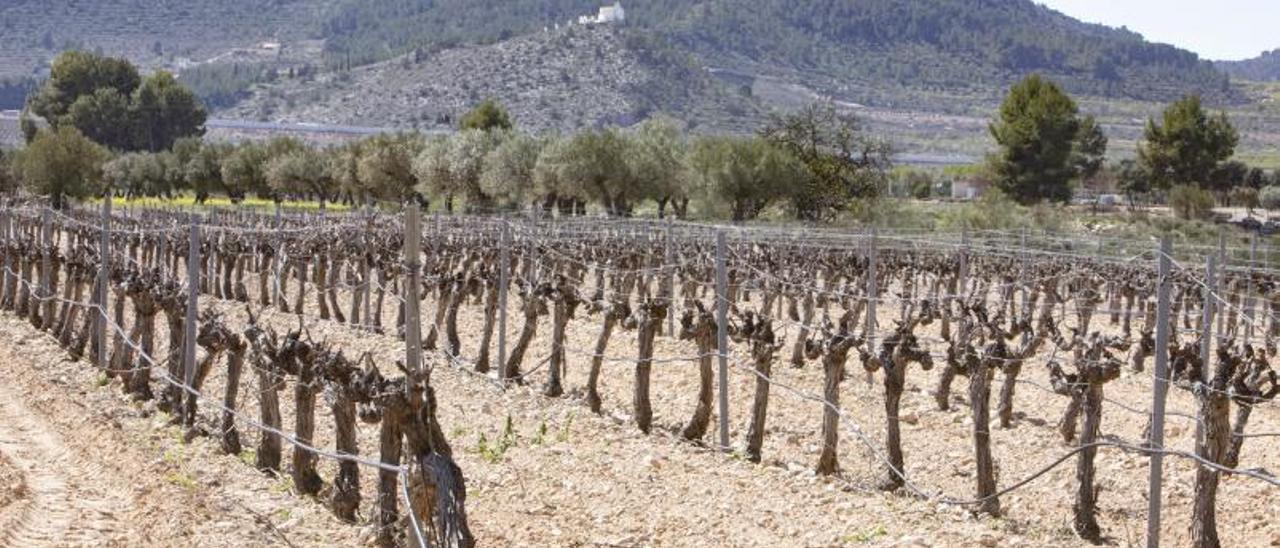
x=669, y=291
x=104, y=279
x=504, y=275
x=45, y=300
x=872, y=300
x=413, y=332
x=193, y=295
x=413, y=282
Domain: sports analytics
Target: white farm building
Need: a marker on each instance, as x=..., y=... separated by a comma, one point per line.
x=607, y=14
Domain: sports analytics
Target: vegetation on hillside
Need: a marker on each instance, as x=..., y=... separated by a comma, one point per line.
x=934, y=43
x=931, y=44
x=151, y=34
x=559, y=80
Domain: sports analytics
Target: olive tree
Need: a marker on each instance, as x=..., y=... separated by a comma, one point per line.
x=548, y=186
x=343, y=166
x=303, y=172
x=509, y=170
x=657, y=162
x=592, y=166
x=841, y=161
x=142, y=174
x=466, y=155
x=61, y=163
x=242, y=171
x=385, y=168
x=1269, y=198
x=431, y=168
x=203, y=170
x=744, y=175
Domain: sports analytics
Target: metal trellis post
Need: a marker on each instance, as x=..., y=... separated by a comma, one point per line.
x=7, y=231
x=1160, y=390
x=1206, y=326
x=962, y=281
x=722, y=337
x=1248, y=314
x=366, y=276
x=1223, y=261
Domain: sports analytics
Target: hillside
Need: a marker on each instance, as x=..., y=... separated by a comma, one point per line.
x=922, y=44
x=1263, y=68
x=926, y=73
x=149, y=32
x=555, y=80
x=845, y=47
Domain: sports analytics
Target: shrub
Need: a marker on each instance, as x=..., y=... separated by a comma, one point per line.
x=1269, y=198
x=1245, y=197
x=1189, y=202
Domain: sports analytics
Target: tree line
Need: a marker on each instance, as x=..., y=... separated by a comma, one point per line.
x=1048, y=151
x=112, y=130
x=812, y=162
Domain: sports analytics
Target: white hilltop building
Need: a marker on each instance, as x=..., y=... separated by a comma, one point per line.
x=607, y=15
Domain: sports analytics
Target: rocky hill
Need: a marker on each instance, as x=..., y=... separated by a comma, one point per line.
x=1263, y=68
x=550, y=80
x=866, y=46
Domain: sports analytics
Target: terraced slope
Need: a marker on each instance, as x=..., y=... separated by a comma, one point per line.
x=151, y=32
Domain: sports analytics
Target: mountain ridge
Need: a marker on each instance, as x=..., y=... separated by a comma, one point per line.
x=1263, y=68
x=946, y=44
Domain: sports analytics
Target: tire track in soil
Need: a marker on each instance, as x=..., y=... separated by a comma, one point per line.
x=57, y=509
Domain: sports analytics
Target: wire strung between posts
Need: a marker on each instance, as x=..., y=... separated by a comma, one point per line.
x=940, y=497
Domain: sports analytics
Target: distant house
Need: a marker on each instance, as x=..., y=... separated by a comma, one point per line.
x=969, y=187
x=606, y=15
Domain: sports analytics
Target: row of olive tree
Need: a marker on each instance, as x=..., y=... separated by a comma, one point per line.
x=815, y=161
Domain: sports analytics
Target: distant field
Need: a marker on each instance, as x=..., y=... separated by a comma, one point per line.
x=189, y=201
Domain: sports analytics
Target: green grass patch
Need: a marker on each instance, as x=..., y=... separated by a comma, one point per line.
x=183, y=480
x=865, y=536
x=283, y=485
x=493, y=451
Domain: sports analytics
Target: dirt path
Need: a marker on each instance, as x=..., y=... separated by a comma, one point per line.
x=81, y=465
x=59, y=505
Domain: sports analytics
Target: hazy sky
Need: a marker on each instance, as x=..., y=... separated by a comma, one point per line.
x=1215, y=29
